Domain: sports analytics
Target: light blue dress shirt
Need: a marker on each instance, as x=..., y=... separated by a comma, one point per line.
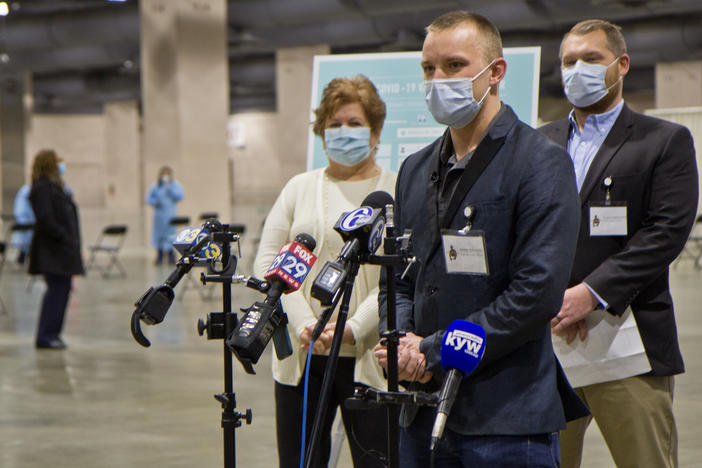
x=584, y=144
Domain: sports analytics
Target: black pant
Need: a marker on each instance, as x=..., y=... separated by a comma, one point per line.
x=53, y=307
x=366, y=429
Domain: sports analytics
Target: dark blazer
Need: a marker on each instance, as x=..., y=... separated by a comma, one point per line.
x=56, y=243
x=653, y=168
x=526, y=204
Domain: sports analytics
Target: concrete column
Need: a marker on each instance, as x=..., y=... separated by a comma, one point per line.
x=185, y=92
x=294, y=67
x=123, y=190
x=12, y=137
x=679, y=84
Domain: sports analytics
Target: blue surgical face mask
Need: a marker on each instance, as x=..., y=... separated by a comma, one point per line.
x=347, y=146
x=584, y=83
x=61, y=168
x=451, y=100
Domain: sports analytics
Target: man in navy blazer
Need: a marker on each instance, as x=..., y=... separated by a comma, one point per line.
x=647, y=165
x=514, y=191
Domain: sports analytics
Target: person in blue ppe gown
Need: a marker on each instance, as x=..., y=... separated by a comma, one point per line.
x=163, y=196
x=23, y=215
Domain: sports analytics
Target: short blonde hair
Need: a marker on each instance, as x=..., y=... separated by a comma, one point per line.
x=342, y=91
x=491, y=47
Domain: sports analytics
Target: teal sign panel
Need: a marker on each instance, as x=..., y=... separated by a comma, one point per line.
x=409, y=126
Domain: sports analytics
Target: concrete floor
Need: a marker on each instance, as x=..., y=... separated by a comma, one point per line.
x=108, y=402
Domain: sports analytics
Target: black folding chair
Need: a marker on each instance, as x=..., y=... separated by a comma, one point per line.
x=209, y=215
x=179, y=221
x=18, y=243
x=109, y=241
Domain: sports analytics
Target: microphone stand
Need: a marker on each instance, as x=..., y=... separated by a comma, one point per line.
x=330, y=370
x=393, y=397
x=220, y=325
x=369, y=397
x=392, y=338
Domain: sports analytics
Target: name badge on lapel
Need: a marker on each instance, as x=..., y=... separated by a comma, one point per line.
x=464, y=250
x=610, y=218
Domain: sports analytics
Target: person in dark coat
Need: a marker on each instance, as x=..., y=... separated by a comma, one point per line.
x=55, y=250
x=493, y=176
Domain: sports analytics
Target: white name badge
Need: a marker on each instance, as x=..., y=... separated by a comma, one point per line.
x=465, y=253
x=608, y=220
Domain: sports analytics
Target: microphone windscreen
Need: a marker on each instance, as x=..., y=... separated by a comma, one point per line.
x=378, y=199
x=463, y=346
x=306, y=240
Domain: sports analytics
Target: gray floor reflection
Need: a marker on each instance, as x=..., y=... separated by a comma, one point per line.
x=108, y=402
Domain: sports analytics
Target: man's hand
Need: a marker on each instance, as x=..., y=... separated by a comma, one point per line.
x=411, y=363
x=578, y=302
x=411, y=341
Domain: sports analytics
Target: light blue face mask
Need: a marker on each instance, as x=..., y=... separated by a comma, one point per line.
x=61, y=168
x=347, y=146
x=451, y=100
x=584, y=83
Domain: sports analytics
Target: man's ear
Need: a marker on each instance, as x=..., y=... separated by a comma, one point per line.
x=623, y=65
x=498, y=70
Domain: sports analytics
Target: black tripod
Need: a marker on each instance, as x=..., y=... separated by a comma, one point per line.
x=152, y=307
x=219, y=326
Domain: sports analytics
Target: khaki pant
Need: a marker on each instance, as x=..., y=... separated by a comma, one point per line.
x=635, y=417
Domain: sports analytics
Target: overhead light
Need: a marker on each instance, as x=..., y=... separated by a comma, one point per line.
x=4, y=9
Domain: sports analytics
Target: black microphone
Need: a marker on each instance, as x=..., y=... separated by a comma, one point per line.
x=153, y=305
x=462, y=349
x=266, y=320
x=362, y=232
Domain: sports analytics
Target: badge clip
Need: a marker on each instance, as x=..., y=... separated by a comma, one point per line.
x=607, y=183
x=469, y=213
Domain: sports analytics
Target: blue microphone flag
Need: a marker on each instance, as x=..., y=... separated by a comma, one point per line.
x=191, y=236
x=463, y=346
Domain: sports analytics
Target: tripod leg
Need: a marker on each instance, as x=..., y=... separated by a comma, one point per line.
x=330, y=371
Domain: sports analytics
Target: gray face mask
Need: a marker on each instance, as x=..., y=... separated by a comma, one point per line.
x=584, y=83
x=451, y=100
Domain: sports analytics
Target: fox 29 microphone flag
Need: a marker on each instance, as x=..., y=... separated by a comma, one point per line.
x=293, y=263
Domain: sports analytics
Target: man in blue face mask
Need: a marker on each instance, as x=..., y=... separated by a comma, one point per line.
x=493, y=210
x=637, y=179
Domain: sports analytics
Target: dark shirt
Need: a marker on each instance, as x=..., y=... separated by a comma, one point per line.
x=451, y=169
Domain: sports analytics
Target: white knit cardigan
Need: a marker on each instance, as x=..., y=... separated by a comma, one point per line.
x=299, y=208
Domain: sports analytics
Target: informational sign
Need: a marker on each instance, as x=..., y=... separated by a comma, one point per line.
x=409, y=126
